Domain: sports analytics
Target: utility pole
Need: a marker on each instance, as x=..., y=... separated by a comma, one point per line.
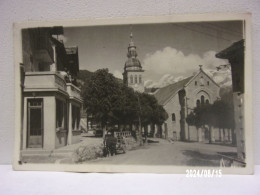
x=187, y=111
x=140, y=138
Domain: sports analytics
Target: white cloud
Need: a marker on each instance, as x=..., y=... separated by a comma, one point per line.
x=171, y=65
x=171, y=61
x=118, y=74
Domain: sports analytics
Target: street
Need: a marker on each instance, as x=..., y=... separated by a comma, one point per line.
x=166, y=153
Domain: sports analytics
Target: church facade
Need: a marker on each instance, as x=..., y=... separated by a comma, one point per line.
x=180, y=98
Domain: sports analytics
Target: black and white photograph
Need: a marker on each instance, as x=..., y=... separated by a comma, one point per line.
x=136, y=96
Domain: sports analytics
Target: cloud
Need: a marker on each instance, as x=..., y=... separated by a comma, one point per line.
x=118, y=74
x=165, y=80
x=169, y=65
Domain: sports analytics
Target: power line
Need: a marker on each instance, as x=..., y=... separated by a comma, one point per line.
x=214, y=27
x=208, y=34
x=221, y=28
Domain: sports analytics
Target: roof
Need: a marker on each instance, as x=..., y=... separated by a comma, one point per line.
x=202, y=71
x=133, y=63
x=230, y=51
x=163, y=94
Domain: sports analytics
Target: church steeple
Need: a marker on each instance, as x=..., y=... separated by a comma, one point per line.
x=133, y=62
x=131, y=48
x=133, y=72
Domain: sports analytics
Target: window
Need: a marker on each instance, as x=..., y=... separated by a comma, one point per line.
x=208, y=83
x=140, y=79
x=207, y=101
x=202, y=100
x=131, y=79
x=135, y=78
x=195, y=83
x=173, y=117
x=75, y=117
x=198, y=103
x=60, y=113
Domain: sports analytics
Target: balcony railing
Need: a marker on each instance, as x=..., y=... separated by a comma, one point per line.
x=50, y=81
x=73, y=91
x=44, y=81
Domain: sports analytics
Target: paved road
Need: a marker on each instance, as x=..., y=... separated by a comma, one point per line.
x=166, y=153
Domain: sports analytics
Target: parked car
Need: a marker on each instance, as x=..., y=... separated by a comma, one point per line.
x=98, y=132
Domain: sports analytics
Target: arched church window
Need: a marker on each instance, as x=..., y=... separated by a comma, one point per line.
x=202, y=100
x=140, y=79
x=131, y=79
x=195, y=83
x=173, y=117
x=207, y=101
x=198, y=103
x=135, y=78
x=208, y=83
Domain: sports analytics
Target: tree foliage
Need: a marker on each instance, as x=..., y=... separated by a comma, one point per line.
x=111, y=102
x=219, y=114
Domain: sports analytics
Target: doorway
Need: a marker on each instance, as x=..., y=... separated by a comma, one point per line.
x=35, y=123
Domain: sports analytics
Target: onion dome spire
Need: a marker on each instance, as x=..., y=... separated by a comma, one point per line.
x=132, y=63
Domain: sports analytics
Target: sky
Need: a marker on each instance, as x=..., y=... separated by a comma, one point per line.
x=168, y=52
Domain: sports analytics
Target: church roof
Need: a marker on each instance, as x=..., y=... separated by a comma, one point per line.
x=163, y=94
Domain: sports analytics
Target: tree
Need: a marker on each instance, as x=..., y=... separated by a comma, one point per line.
x=224, y=114
x=219, y=114
x=200, y=117
x=100, y=94
x=113, y=103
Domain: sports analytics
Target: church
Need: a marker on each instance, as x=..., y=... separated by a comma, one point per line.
x=178, y=100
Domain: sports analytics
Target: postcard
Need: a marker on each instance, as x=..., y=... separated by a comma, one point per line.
x=167, y=94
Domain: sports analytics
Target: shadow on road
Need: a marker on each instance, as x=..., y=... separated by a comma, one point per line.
x=222, y=144
x=200, y=159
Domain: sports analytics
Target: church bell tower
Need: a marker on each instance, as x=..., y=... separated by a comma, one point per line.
x=133, y=72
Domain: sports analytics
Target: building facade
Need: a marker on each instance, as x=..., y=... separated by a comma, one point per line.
x=235, y=55
x=133, y=72
x=50, y=98
x=180, y=98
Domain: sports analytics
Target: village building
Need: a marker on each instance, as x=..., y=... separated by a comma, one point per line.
x=180, y=98
x=235, y=55
x=51, y=100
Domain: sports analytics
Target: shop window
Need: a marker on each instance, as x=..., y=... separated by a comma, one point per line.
x=75, y=117
x=60, y=116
